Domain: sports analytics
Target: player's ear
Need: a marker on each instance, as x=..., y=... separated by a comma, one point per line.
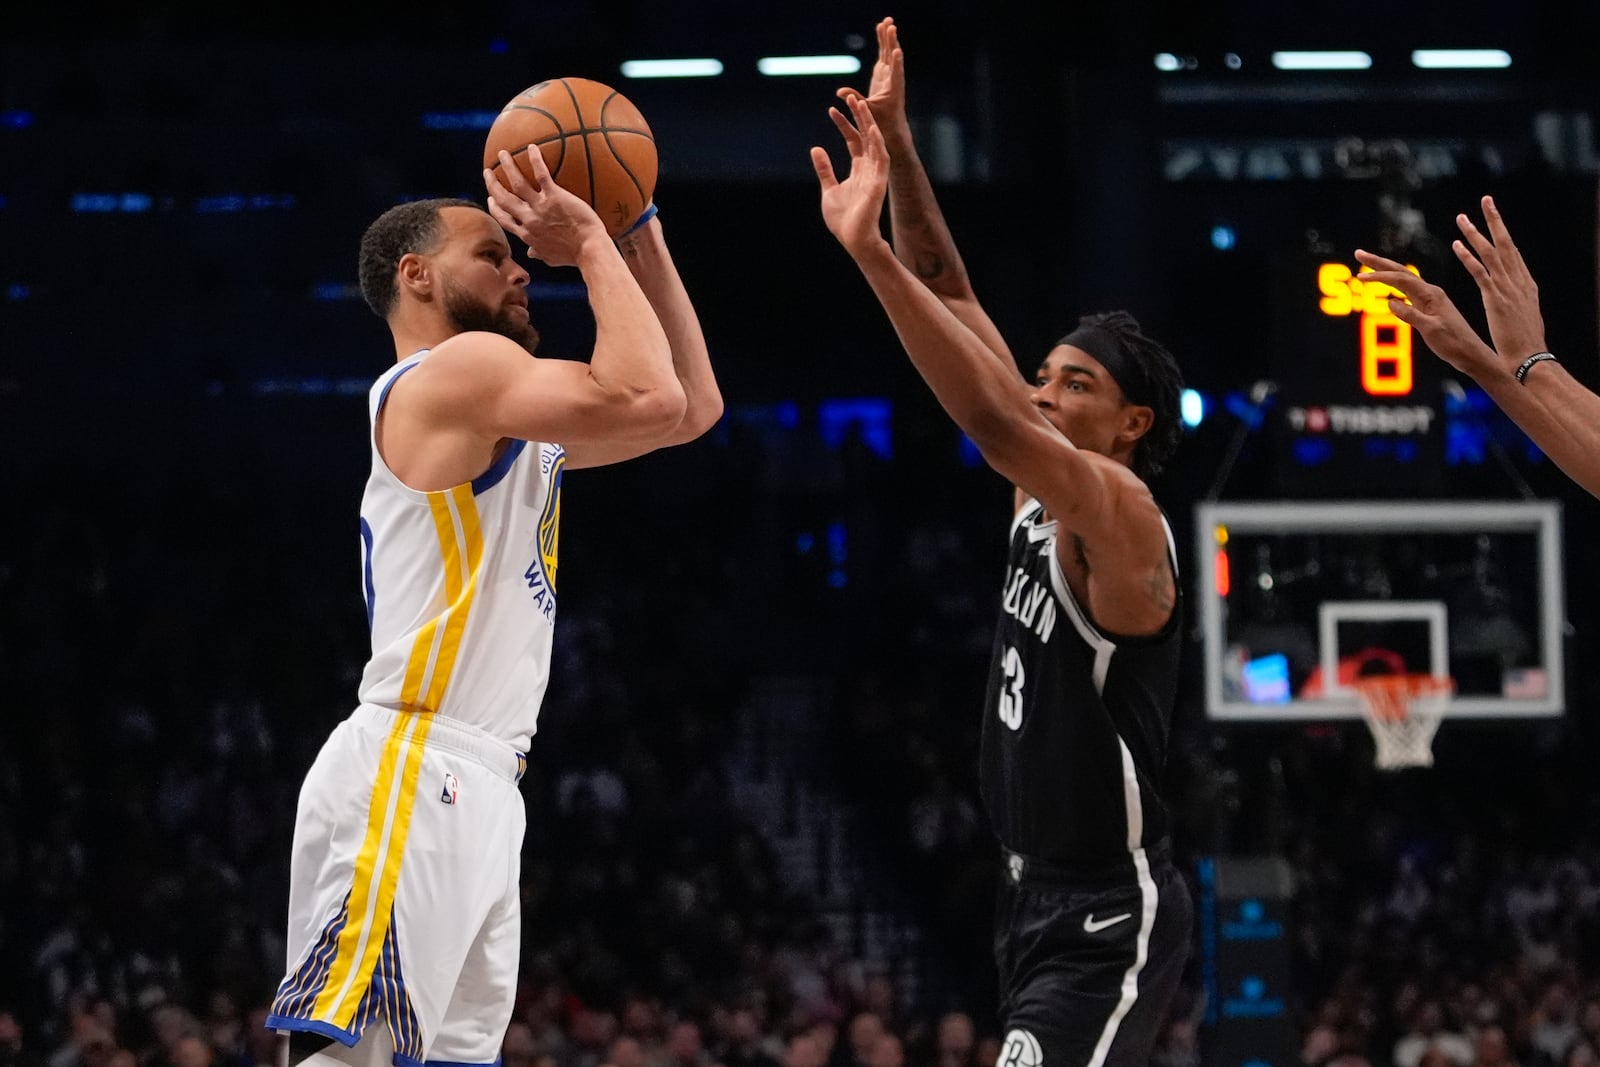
x=415, y=273
x=1136, y=422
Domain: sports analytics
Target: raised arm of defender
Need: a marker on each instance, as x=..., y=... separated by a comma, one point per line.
x=1552, y=407
x=922, y=240
x=1093, y=496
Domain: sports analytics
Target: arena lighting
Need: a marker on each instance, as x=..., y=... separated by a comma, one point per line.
x=671, y=68
x=1321, y=60
x=1461, y=58
x=1168, y=62
x=783, y=66
x=1193, y=408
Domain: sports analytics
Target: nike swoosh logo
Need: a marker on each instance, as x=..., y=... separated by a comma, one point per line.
x=1091, y=925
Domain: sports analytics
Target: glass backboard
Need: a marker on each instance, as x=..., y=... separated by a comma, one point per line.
x=1300, y=598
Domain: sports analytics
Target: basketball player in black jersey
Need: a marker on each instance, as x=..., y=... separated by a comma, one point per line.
x=1093, y=921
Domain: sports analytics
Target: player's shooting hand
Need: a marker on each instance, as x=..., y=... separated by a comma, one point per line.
x=853, y=208
x=886, y=94
x=552, y=222
x=1431, y=313
x=1510, y=297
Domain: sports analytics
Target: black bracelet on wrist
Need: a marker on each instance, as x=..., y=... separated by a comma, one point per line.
x=1527, y=364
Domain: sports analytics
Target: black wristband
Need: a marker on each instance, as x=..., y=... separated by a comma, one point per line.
x=1527, y=365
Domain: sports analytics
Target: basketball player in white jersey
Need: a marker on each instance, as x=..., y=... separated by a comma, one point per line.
x=404, y=919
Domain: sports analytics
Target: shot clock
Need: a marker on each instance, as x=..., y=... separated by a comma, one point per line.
x=1358, y=406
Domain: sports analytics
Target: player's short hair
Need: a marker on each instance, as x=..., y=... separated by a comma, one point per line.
x=409, y=227
x=1149, y=376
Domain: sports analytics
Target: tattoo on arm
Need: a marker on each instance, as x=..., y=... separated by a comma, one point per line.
x=1163, y=592
x=930, y=265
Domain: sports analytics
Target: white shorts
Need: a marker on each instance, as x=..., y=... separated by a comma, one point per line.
x=403, y=889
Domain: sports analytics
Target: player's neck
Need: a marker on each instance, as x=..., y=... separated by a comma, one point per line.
x=416, y=328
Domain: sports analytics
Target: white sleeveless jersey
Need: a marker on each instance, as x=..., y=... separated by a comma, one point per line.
x=460, y=586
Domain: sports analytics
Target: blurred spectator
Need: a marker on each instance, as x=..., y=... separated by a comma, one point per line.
x=12, y=1052
x=518, y=1048
x=956, y=1040
x=1427, y=1032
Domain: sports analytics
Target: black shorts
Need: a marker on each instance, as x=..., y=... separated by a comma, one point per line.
x=1089, y=961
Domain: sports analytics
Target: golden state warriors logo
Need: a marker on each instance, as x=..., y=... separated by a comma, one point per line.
x=550, y=521
x=541, y=573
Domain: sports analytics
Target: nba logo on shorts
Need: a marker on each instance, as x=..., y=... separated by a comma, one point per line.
x=451, y=785
x=1020, y=1050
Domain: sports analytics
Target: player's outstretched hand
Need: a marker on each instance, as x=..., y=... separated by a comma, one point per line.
x=1510, y=297
x=853, y=208
x=1432, y=313
x=552, y=222
x=886, y=94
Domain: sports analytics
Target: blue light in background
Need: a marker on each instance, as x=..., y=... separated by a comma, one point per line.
x=499, y=46
x=838, y=542
x=572, y=291
x=16, y=292
x=314, y=385
x=970, y=456
x=1266, y=680
x=94, y=203
x=333, y=291
x=1310, y=451
x=1223, y=238
x=871, y=417
x=14, y=119
x=458, y=120
x=210, y=205
x=1192, y=407
x=1252, y=415
x=111, y=203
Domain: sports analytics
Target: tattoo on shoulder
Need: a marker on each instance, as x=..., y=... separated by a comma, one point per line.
x=930, y=265
x=1162, y=591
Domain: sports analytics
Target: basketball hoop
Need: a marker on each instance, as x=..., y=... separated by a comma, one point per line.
x=1403, y=711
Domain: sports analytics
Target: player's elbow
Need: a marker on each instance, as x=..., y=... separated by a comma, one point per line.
x=656, y=411
x=700, y=416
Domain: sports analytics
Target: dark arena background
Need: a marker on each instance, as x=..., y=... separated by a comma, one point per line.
x=754, y=836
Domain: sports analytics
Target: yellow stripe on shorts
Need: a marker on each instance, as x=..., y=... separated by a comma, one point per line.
x=428, y=670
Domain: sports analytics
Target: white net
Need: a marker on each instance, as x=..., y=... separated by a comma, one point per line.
x=1403, y=711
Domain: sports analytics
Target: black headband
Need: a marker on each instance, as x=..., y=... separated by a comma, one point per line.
x=1105, y=348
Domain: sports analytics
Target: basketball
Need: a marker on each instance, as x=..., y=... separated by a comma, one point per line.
x=594, y=141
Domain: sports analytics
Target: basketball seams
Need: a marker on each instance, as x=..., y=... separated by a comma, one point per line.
x=606, y=136
x=577, y=109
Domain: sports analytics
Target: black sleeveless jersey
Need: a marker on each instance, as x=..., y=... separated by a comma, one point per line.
x=1075, y=720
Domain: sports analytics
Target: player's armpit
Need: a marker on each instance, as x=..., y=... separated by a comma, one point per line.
x=1131, y=587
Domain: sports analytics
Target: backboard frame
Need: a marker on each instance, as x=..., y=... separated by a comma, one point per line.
x=1539, y=517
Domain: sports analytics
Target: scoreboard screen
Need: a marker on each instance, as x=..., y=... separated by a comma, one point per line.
x=1359, y=402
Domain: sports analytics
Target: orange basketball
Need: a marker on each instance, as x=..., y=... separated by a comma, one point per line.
x=594, y=141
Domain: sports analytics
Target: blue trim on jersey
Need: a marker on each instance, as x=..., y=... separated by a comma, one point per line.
x=491, y=477
x=407, y=1061
x=366, y=563
x=313, y=1026
x=385, y=394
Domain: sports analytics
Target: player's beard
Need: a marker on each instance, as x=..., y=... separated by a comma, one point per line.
x=466, y=313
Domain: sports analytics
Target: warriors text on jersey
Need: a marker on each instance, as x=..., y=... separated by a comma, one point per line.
x=1075, y=719
x=460, y=587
